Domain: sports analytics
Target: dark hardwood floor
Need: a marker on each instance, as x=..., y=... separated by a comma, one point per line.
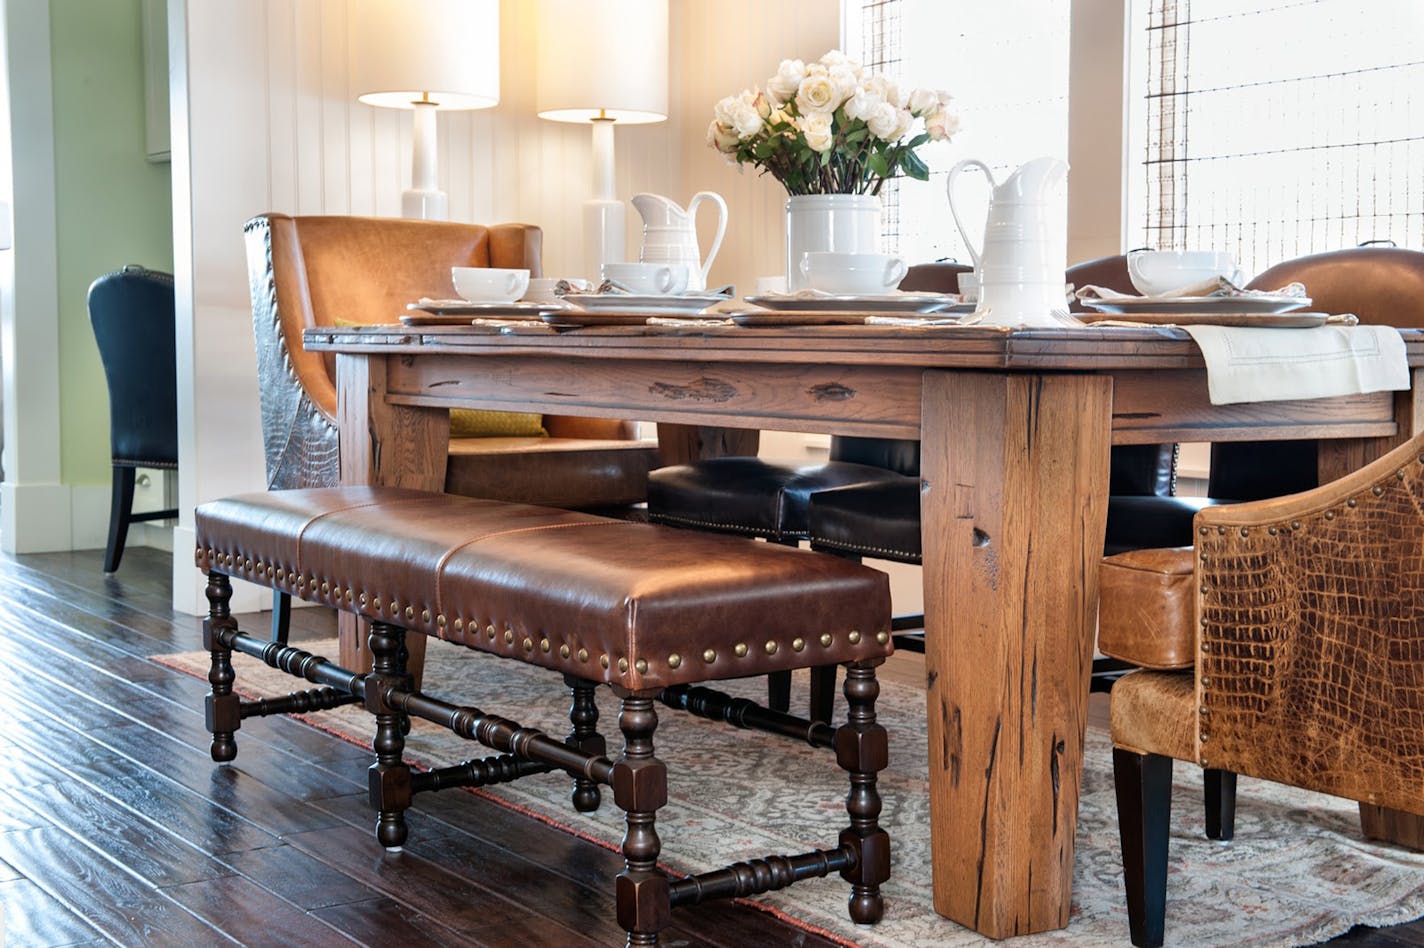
x=116, y=827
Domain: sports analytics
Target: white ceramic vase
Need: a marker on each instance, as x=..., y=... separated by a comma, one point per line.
x=844, y=222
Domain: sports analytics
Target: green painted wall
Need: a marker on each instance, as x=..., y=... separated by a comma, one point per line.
x=112, y=206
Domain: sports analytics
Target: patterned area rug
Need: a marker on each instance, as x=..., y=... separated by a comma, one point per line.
x=1298, y=871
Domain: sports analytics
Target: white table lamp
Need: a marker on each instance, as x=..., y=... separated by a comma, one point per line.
x=603, y=62
x=426, y=56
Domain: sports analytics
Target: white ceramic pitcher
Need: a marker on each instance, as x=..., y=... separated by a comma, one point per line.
x=670, y=233
x=1024, y=253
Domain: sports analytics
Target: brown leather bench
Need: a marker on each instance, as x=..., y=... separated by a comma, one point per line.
x=648, y=610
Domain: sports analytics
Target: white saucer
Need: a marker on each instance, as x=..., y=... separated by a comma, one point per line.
x=879, y=303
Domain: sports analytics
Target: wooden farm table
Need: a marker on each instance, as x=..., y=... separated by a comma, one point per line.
x=1015, y=430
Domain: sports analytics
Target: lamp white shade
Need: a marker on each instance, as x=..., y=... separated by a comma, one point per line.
x=447, y=50
x=603, y=59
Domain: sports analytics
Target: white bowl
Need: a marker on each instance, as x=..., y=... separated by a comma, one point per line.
x=852, y=274
x=1159, y=272
x=489, y=284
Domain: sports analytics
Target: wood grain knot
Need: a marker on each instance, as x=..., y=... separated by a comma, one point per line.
x=702, y=390
x=831, y=392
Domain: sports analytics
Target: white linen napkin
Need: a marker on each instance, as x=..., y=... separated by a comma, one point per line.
x=1263, y=365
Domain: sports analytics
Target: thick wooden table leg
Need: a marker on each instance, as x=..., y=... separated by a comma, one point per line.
x=1015, y=471
x=389, y=446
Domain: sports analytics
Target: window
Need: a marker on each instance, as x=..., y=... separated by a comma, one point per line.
x=1006, y=64
x=1276, y=129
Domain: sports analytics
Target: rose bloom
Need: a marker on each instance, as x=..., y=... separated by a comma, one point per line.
x=817, y=128
x=861, y=103
x=722, y=138
x=883, y=122
x=835, y=58
x=787, y=80
x=923, y=102
x=845, y=79
x=817, y=94
x=746, y=122
x=941, y=125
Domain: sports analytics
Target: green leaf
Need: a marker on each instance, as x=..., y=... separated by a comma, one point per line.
x=878, y=165
x=918, y=140
x=915, y=166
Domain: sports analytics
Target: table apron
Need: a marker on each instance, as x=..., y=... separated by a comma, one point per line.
x=872, y=401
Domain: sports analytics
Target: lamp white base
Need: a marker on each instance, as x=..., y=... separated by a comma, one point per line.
x=605, y=235
x=425, y=205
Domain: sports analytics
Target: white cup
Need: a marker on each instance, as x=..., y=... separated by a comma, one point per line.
x=541, y=289
x=849, y=274
x=489, y=284
x=1158, y=272
x=652, y=279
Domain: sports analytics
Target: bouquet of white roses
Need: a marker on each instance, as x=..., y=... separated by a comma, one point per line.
x=830, y=127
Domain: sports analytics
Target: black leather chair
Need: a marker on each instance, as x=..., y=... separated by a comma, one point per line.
x=749, y=496
x=131, y=311
x=882, y=520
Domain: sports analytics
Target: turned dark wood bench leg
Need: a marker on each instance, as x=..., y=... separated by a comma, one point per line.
x=863, y=751
x=224, y=709
x=583, y=715
x=388, y=779
x=639, y=789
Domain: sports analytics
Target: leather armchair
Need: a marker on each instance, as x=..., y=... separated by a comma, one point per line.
x=1287, y=643
x=131, y=312
x=313, y=271
x=316, y=271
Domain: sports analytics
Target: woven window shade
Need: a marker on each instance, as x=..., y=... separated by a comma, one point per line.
x=1275, y=129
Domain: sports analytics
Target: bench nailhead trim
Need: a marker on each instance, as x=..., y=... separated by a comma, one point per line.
x=854, y=637
x=410, y=613
x=440, y=620
x=508, y=636
x=544, y=645
x=528, y=644
x=674, y=660
x=603, y=660
x=641, y=665
x=583, y=654
x=709, y=656
x=882, y=637
x=623, y=665
x=564, y=651
x=827, y=639
x=771, y=647
x=740, y=650
x=797, y=644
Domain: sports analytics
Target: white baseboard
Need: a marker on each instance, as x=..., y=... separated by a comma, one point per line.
x=89, y=517
x=35, y=518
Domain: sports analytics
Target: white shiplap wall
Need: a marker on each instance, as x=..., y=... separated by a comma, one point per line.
x=264, y=119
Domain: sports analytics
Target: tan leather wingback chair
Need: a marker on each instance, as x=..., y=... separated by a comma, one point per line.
x=323, y=271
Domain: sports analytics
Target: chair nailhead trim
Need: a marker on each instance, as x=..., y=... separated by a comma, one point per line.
x=740, y=650
x=827, y=639
x=641, y=665
x=854, y=637
x=674, y=660
x=798, y=644
x=709, y=656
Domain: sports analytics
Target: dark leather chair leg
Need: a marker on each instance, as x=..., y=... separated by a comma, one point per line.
x=120, y=511
x=1220, y=803
x=281, y=616
x=1144, y=809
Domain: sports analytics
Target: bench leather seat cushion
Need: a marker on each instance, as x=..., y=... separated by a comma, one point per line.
x=748, y=495
x=1146, y=609
x=607, y=600
x=523, y=470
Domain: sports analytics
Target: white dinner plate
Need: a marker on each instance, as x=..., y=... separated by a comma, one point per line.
x=1200, y=304
x=644, y=303
x=527, y=309
x=879, y=303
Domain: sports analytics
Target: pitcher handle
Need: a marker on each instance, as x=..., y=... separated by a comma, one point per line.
x=949, y=193
x=716, y=199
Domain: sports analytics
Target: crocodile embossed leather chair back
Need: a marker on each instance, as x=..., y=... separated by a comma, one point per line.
x=131, y=312
x=1294, y=627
